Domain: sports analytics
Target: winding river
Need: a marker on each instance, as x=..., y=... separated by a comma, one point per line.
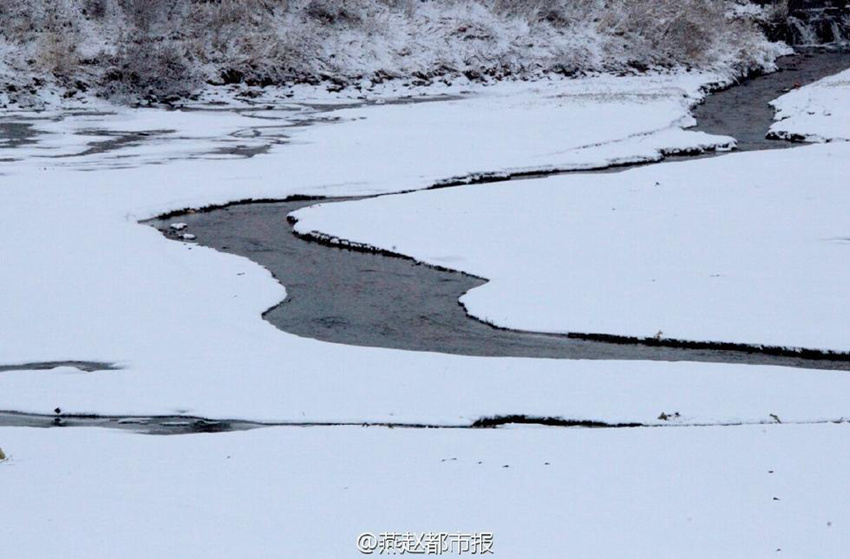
x=367, y=299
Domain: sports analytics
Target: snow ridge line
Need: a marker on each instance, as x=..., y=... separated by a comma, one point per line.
x=185, y=424
x=241, y=202
x=613, y=165
x=800, y=138
x=778, y=351
x=336, y=242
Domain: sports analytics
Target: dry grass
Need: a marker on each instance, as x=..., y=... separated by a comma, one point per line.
x=168, y=48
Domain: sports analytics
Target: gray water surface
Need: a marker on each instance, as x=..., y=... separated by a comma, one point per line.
x=743, y=110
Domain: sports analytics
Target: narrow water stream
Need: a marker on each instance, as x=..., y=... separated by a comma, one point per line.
x=365, y=299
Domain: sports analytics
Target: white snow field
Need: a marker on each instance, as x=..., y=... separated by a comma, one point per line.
x=818, y=112
x=700, y=493
x=748, y=248
x=83, y=281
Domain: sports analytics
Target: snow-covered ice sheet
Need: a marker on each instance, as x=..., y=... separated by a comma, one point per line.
x=562, y=123
x=128, y=138
x=818, y=112
x=83, y=281
x=748, y=248
x=731, y=492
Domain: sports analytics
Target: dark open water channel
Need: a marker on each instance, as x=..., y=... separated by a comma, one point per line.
x=365, y=299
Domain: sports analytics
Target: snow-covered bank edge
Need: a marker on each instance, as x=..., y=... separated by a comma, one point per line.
x=191, y=424
x=656, y=341
x=816, y=113
x=437, y=216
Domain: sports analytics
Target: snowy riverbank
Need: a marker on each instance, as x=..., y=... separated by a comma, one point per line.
x=59, y=53
x=819, y=112
x=738, y=461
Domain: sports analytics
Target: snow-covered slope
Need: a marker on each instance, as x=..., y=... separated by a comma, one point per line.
x=169, y=50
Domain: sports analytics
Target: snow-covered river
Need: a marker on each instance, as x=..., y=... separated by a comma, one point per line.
x=365, y=298
x=99, y=309
x=705, y=452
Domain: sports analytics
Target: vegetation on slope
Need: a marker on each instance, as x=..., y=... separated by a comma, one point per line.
x=167, y=49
